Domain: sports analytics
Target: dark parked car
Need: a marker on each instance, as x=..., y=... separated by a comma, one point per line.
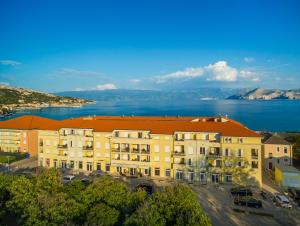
x=146, y=187
x=251, y=202
x=241, y=191
x=294, y=194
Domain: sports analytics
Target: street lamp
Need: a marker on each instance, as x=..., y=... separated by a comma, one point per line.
x=7, y=162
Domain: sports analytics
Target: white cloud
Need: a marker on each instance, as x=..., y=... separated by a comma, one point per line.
x=221, y=71
x=78, y=73
x=249, y=59
x=187, y=73
x=9, y=62
x=79, y=89
x=108, y=86
x=249, y=76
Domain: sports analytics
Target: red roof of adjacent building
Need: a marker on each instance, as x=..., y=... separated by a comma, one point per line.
x=154, y=124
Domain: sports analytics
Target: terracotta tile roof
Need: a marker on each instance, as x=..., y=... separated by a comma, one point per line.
x=276, y=139
x=154, y=124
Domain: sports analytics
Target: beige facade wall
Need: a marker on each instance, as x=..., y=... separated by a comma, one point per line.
x=196, y=157
x=277, y=155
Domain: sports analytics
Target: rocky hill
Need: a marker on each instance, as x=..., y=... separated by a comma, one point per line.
x=12, y=98
x=267, y=94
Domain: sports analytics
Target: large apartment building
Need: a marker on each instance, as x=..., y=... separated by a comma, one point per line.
x=195, y=149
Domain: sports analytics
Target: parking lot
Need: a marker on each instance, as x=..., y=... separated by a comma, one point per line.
x=217, y=202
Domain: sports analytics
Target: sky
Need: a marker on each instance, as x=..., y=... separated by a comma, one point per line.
x=61, y=45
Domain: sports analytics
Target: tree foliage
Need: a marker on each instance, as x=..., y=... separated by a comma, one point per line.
x=44, y=200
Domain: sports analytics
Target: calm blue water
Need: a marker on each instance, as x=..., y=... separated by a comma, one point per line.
x=277, y=115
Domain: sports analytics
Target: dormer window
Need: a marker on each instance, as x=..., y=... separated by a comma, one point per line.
x=140, y=135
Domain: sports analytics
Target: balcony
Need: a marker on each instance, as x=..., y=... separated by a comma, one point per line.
x=181, y=162
x=214, y=154
x=254, y=156
x=145, y=151
x=125, y=149
x=135, y=150
x=41, y=144
x=64, y=146
x=178, y=153
x=115, y=150
x=88, y=148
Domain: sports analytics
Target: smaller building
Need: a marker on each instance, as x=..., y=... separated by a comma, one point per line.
x=277, y=152
x=287, y=176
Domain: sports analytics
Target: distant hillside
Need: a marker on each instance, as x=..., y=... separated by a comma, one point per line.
x=267, y=94
x=11, y=97
x=152, y=95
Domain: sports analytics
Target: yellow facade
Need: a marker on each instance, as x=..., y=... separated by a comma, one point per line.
x=197, y=157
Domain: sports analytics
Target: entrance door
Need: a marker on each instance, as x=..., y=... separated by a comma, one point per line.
x=215, y=178
x=132, y=171
x=270, y=165
x=203, y=178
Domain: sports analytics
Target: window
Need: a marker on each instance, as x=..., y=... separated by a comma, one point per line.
x=254, y=164
x=191, y=176
x=89, y=166
x=155, y=137
x=226, y=152
x=278, y=161
x=156, y=148
x=179, y=175
x=156, y=158
x=218, y=163
x=241, y=140
x=240, y=153
x=168, y=172
x=285, y=150
x=117, y=134
x=167, y=149
x=107, y=167
x=41, y=162
x=240, y=164
x=146, y=171
x=140, y=135
x=270, y=155
x=72, y=164
x=55, y=163
x=80, y=165
x=107, y=146
x=98, y=166
x=190, y=162
x=47, y=162
x=278, y=149
x=119, y=169
x=228, y=178
x=187, y=136
x=167, y=159
x=202, y=150
x=157, y=171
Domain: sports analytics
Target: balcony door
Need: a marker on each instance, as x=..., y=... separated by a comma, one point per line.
x=215, y=178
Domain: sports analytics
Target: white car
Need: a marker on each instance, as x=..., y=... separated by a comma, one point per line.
x=283, y=201
x=68, y=178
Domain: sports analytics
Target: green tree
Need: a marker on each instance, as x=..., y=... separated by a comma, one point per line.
x=5, y=183
x=102, y=215
x=176, y=205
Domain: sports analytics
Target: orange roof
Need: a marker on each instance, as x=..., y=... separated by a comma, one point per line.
x=155, y=124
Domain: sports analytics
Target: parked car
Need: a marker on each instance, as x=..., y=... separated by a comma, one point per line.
x=249, y=201
x=146, y=187
x=67, y=179
x=283, y=201
x=294, y=194
x=86, y=181
x=241, y=191
x=263, y=195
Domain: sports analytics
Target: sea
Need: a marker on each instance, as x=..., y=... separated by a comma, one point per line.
x=271, y=115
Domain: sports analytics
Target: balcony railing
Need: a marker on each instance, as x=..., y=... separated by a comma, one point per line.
x=125, y=150
x=135, y=150
x=178, y=153
x=62, y=146
x=41, y=144
x=254, y=156
x=115, y=149
x=214, y=154
x=145, y=151
x=181, y=162
x=88, y=148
